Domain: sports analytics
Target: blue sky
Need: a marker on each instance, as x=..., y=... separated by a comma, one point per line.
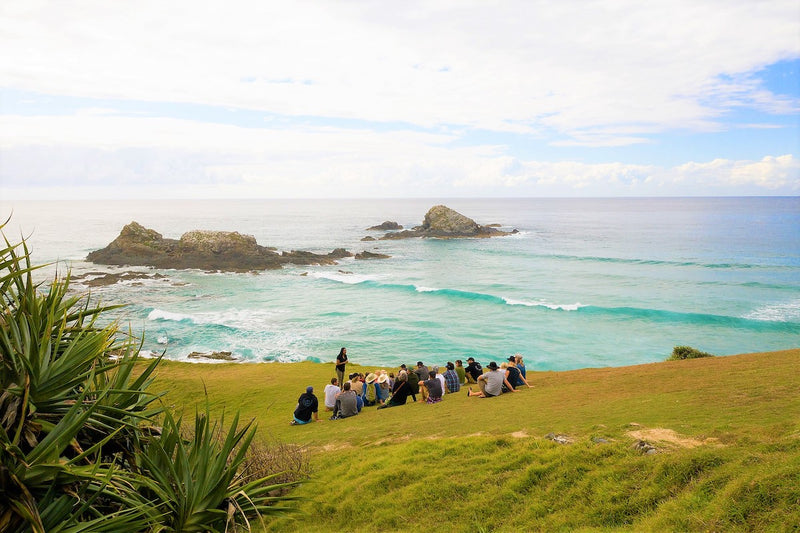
x=247, y=99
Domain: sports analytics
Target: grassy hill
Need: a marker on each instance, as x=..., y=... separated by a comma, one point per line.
x=726, y=431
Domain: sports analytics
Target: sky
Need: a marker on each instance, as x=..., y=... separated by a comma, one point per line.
x=332, y=99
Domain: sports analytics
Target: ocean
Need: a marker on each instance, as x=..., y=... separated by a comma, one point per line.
x=585, y=282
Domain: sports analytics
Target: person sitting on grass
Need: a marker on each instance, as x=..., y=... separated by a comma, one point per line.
x=401, y=391
x=520, y=365
x=514, y=375
x=431, y=388
x=331, y=390
x=462, y=374
x=370, y=394
x=473, y=370
x=307, y=407
x=440, y=377
x=346, y=403
x=413, y=382
x=451, y=379
x=491, y=383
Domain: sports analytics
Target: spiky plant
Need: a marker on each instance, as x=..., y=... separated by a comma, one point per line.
x=79, y=449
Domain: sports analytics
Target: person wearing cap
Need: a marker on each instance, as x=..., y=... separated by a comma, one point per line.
x=331, y=390
x=307, y=406
x=473, y=370
x=491, y=383
x=514, y=375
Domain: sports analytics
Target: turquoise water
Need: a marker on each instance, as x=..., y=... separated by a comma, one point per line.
x=586, y=282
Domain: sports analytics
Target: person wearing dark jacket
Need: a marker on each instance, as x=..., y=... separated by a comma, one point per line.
x=307, y=406
x=473, y=370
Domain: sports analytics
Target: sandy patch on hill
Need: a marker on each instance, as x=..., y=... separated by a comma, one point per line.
x=669, y=436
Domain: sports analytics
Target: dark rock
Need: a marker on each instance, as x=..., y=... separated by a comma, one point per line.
x=386, y=226
x=444, y=223
x=102, y=279
x=371, y=255
x=206, y=250
x=368, y=238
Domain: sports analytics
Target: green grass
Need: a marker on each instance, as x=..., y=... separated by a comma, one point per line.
x=730, y=463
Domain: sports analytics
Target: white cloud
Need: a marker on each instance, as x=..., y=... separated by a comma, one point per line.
x=570, y=67
x=108, y=156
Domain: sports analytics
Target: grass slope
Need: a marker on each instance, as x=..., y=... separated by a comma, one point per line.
x=727, y=430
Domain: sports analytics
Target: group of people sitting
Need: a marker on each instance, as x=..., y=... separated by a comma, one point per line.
x=383, y=389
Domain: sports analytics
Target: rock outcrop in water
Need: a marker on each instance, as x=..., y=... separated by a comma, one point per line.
x=207, y=250
x=441, y=222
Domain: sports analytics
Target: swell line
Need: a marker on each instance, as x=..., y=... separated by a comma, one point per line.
x=634, y=313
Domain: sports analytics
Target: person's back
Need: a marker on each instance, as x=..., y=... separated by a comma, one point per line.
x=494, y=382
x=514, y=376
x=460, y=372
x=331, y=390
x=451, y=380
x=434, y=386
x=413, y=383
x=400, y=393
x=348, y=404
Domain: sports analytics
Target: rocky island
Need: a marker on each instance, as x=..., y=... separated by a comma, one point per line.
x=441, y=222
x=207, y=250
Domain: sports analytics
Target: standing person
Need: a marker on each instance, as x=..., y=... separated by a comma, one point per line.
x=451, y=379
x=341, y=362
x=491, y=383
x=331, y=390
x=307, y=406
x=473, y=370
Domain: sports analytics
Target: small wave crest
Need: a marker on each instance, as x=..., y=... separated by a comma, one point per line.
x=561, y=307
x=231, y=318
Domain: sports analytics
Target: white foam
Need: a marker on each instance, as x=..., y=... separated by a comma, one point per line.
x=780, y=312
x=163, y=339
x=425, y=289
x=250, y=319
x=540, y=303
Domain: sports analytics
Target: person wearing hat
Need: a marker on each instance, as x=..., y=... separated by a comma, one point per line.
x=400, y=392
x=370, y=394
x=307, y=406
x=491, y=383
x=382, y=387
x=514, y=375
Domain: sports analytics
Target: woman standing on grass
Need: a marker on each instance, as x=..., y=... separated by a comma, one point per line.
x=341, y=362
